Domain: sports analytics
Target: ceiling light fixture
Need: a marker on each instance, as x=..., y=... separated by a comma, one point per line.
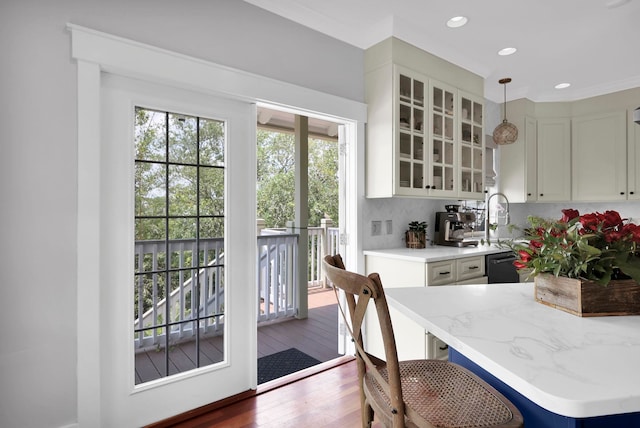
x=457, y=21
x=562, y=85
x=507, y=51
x=505, y=133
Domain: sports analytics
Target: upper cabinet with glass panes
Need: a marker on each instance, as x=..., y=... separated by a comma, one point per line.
x=425, y=134
x=410, y=132
x=471, y=127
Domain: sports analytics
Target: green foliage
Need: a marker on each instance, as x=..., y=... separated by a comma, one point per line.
x=179, y=175
x=276, y=179
x=597, y=247
x=185, y=155
x=418, y=226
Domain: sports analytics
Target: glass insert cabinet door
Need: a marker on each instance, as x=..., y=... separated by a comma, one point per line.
x=410, y=130
x=443, y=139
x=471, y=144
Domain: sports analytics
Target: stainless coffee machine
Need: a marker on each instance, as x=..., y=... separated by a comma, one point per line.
x=451, y=227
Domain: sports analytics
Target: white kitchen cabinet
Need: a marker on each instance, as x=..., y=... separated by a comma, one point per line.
x=437, y=349
x=409, y=132
x=444, y=140
x=531, y=159
x=599, y=157
x=469, y=268
x=412, y=341
x=633, y=157
x=587, y=151
x=472, y=146
x=554, y=160
x=517, y=174
x=397, y=152
x=440, y=273
x=417, y=143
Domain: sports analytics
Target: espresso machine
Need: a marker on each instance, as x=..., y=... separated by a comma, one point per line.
x=451, y=227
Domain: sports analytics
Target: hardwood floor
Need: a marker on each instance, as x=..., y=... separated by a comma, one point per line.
x=326, y=395
x=326, y=399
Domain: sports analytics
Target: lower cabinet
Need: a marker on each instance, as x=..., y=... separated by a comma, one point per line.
x=413, y=341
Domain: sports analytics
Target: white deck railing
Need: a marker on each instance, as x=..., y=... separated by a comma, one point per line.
x=277, y=274
x=277, y=255
x=184, y=299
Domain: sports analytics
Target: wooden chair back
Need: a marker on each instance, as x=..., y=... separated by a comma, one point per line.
x=359, y=291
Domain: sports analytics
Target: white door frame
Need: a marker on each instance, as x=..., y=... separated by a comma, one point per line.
x=123, y=403
x=96, y=52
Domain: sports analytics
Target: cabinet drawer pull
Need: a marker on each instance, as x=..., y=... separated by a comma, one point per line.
x=474, y=267
x=445, y=273
x=443, y=348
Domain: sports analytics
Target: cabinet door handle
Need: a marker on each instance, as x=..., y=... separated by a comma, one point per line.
x=427, y=187
x=528, y=194
x=541, y=194
x=622, y=193
x=445, y=273
x=631, y=193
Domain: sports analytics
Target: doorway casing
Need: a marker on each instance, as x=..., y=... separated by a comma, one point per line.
x=96, y=52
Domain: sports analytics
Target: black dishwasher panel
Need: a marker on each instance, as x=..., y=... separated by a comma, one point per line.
x=500, y=268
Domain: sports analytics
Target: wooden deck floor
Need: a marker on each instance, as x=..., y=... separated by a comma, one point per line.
x=315, y=336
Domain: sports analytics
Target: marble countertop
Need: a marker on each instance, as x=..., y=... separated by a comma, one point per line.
x=572, y=366
x=436, y=253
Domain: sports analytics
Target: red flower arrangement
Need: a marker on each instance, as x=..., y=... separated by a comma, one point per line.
x=596, y=246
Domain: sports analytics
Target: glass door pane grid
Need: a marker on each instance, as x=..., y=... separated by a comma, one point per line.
x=180, y=222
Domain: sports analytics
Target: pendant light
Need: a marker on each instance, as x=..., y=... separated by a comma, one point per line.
x=505, y=133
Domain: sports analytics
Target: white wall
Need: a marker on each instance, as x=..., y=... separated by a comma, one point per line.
x=38, y=160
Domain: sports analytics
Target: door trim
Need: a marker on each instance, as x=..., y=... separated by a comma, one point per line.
x=96, y=52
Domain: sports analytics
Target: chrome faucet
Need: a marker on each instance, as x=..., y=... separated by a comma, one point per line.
x=487, y=223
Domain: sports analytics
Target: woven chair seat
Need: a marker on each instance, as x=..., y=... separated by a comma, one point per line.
x=444, y=394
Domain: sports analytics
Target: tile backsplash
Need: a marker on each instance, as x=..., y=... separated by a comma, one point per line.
x=401, y=211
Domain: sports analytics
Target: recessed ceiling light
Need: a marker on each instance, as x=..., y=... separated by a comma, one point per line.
x=507, y=51
x=562, y=85
x=457, y=21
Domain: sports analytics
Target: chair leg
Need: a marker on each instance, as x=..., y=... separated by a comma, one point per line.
x=367, y=414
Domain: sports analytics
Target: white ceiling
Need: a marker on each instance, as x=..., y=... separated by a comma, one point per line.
x=592, y=44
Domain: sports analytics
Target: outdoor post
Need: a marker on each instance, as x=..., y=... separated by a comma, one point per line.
x=302, y=211
x=260, y=224
x=325, y=223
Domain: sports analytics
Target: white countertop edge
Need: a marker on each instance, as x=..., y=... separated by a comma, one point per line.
x=583, y=408
x=435, y=253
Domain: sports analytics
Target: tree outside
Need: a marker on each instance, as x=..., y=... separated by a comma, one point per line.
x=188, y=152
x=276, y=184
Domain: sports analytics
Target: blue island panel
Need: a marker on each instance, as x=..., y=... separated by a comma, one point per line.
x=538, y=417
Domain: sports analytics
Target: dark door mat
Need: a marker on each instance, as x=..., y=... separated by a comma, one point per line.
x=283, y=363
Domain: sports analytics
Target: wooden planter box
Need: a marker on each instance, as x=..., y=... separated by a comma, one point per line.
x=586, y=298
x=415, y=239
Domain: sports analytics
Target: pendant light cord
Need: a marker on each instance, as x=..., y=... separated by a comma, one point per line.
x=504, y=85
